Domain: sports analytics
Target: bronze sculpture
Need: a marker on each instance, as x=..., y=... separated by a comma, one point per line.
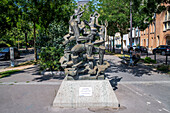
x=80, y=58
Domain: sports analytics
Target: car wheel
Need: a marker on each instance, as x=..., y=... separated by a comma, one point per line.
x=163, y=52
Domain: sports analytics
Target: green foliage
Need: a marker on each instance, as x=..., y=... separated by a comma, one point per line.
x=49, y=58
x=8, y=16
x=4, y=44
x=149, y=60
x=89, y=9
x=144, y=10
x=51, y=46
x=7, y=73
x=108, y=52
x=17, y=17
x=164, y=68
x=138, y=45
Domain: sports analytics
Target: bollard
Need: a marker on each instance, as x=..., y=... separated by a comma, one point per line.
x=166, y=59
x=155, y=56
x=131, y=60
x=12, y=56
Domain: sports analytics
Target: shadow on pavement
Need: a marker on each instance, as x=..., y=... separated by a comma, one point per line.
x=137, y=71
x=48, y=77
x=114, y=81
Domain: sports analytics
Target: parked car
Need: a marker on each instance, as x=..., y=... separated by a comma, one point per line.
x=134, y=47
x=5, y=53
x=162, y=49
x=141, y=49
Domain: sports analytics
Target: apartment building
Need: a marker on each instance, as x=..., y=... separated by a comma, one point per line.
x=158, y=32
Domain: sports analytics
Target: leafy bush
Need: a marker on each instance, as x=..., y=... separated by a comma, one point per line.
x=50, y=45
x=164, y=68
x=49, y=58
x=108, y=52
x=149, y=60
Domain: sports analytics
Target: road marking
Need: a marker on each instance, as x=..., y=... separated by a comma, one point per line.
x=31, y=83
x=144, y=82
x=138, y=93
x=148, y=103
x=159, y=101
x=133, y=90
x=165, y=110
x=160, y=109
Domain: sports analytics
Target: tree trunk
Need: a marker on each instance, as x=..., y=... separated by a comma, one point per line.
x=18, y=42
x=26, y=41
x=121, y=43
x=138, y=37
x=110, y=45
x=35, y=51
x=148, y=38
x=113, y=44
x=108, y=42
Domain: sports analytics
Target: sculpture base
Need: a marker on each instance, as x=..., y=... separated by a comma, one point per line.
x=85, y=77
x=86, y=93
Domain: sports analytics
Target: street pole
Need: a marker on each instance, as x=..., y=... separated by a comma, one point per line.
x=131, y=23
x=131, y=61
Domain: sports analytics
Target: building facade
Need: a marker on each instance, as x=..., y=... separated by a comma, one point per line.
x=158, y=32
x=82, y=2
x=135, y=38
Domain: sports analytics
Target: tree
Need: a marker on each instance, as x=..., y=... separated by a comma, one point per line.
x=8, y=17
x=144, y=12
x=43, y=12
x=116, y=12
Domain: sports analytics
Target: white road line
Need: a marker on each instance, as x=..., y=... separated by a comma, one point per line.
x=148, y=103
x=144, y=82
x=133, y=90
x=165, y=110
x=31, y=83
x=159, y=101
x=160, y=109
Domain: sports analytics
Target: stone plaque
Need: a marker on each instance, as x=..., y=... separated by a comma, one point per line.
x=85, y=91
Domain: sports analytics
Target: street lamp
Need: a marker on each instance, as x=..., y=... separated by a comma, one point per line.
x=131, y=23
x=131, y=61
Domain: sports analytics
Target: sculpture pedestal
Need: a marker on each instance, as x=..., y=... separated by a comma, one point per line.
x=86, y=93
x=86, y=77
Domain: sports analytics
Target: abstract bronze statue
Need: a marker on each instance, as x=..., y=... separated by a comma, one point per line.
x=84, y=52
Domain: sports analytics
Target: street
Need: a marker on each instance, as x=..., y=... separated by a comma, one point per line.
x=138, y=89
x=23, y=58
x=159, y=58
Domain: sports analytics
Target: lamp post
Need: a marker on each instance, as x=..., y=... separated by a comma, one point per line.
x=131, y=23
x=131, y=61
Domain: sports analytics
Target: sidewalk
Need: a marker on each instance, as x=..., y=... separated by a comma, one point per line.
x=16, y=68
x=138, y=90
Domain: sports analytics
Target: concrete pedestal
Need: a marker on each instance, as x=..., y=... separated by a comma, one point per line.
x=86, y=93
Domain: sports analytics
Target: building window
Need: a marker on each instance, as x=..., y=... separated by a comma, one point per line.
x=166, y=16
x=147, y=42
x=166, y=22
x=165, y=26
x=169, y=14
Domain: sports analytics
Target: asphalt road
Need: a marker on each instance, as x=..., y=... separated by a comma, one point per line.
x=139, y=89
x=23, y=58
